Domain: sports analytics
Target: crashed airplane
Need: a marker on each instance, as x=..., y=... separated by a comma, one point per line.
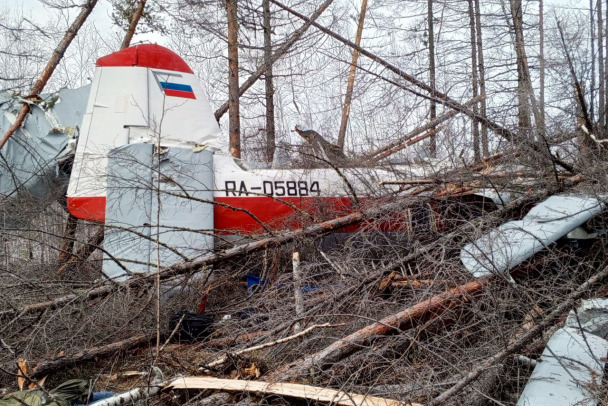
x=147, y=126
x=141, y=152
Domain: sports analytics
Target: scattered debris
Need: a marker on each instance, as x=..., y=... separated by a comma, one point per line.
x=573, y=361
x=512, y=243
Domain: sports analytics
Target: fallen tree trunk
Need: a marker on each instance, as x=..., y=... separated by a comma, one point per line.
x=525, y=338
x=405, y=319
x=87, y=354
x=308, y=392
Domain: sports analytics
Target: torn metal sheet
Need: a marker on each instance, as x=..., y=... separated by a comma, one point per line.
x=591, y=316
x=30, y=162
x=515, y=241
x=569, y=366
x=174, y=203
x=573, y=360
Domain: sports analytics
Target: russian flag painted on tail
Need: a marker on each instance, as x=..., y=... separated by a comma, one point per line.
x=177, y=90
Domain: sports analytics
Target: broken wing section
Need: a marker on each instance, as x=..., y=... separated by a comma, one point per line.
x=515, y=241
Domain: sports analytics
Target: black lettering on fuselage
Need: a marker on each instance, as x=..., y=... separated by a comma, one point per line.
x=243, y=189
x=230, y=187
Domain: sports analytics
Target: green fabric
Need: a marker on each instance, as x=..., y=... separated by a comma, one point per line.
x=30, y=398
x=72, y=391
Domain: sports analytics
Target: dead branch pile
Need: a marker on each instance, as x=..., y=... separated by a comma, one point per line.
x=393, y=316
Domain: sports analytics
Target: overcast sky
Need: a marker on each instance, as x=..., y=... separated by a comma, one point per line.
x=39, y=13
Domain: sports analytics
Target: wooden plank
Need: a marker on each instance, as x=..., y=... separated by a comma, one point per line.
x=286, y=389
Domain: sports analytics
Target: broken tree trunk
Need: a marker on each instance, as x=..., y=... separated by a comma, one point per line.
x=67, y=246
x=348, y=97
x=133, y=24
x=50, y=67
x=561, y=309
x=333, y=396
x=282, y=50
x=87, y=354
x=436, y=305
x=84, y=252
x=297, y=286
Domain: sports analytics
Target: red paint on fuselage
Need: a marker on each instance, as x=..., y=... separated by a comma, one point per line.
x=246, y=215
x=91, y=208
x=252, y=214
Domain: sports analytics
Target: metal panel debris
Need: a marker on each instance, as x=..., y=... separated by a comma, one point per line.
x=30, y=165
x=570, y=365
x=515, y=241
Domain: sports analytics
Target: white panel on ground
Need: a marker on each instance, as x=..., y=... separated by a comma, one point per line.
x=570, y=366
x=515, y=241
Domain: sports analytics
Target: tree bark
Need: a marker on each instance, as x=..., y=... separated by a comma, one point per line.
x=51, y=65
x=605, y=78
x=87, y=354
x=523, y=105
x=592, y=87
x=474, y=82
x=485, y=148
x=67, y=246
x=348, y=98
x=84, y=252
x=282, y=50
x=268, y=81
x=601, y=126
x=297, y=289
x=432, y=81
x=133, y=24
x=541, y=29
x=233, y=78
